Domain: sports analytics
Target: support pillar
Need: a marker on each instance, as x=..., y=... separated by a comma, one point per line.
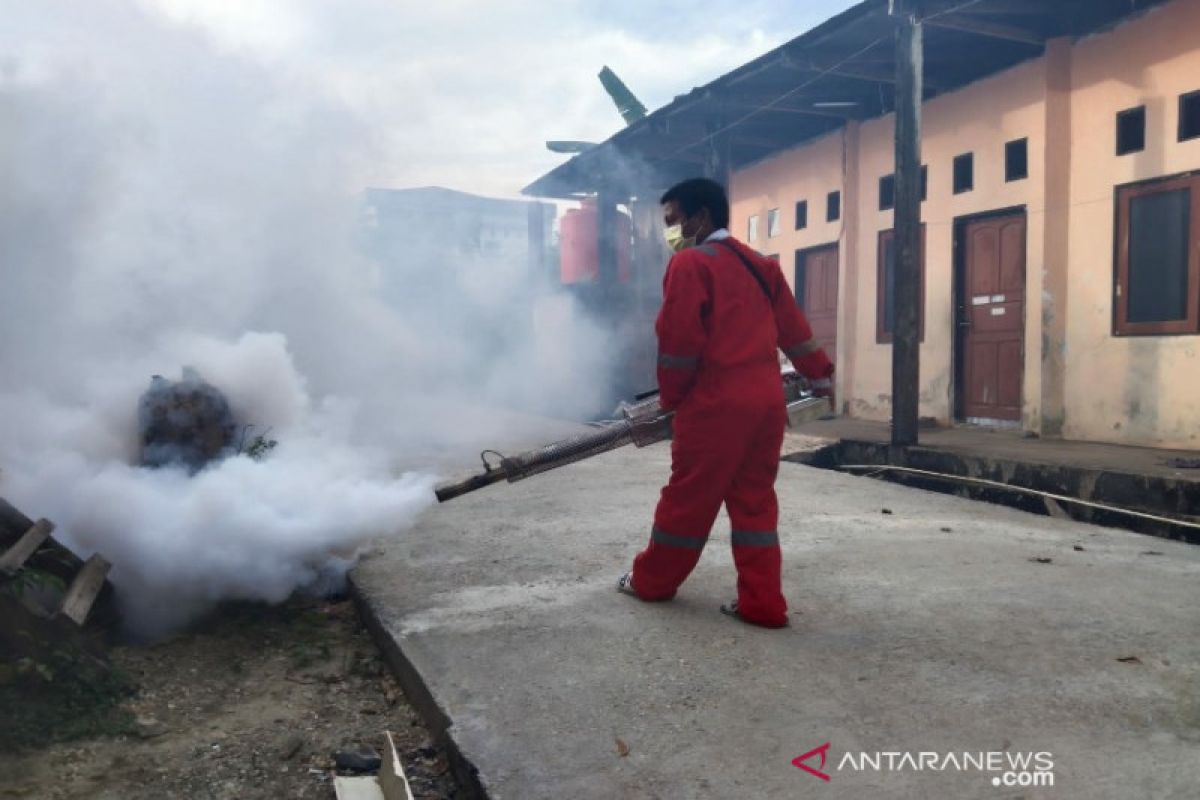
x=906, y=343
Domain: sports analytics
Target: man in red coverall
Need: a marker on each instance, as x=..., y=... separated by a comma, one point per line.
x=726, y=311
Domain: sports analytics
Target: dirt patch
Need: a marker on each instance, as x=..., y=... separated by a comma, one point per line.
x=254, y=703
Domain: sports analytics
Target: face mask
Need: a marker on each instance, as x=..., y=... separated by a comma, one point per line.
x=677, y=241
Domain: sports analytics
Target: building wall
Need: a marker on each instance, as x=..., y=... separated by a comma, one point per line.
x=979, y=119
x=808, y=173
x=1143, y=389
x=1079, y=381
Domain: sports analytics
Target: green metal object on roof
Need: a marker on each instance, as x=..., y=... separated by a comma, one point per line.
x=630, y=107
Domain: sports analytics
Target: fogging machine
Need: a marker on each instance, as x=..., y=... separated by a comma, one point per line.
x=641, y=423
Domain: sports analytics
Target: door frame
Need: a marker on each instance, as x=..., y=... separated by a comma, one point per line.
x=959, y=298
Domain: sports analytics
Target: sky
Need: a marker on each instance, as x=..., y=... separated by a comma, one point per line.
x=463, y=93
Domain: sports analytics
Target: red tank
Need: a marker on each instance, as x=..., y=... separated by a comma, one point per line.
x=579, y=245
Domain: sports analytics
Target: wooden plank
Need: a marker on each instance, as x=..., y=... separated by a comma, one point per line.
x=993, y=30
x=86, y=587
x=27, y=545
x=392, y=779
x=12, y=523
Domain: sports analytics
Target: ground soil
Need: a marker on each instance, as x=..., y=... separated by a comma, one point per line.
x=252, y=703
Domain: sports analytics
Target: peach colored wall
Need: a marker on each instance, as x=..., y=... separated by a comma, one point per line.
x=978, y=119
x=1143, y=389
x=1078, y=380
x=807, y=173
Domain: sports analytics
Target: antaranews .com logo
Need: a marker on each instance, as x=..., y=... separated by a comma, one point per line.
x=1006, y=769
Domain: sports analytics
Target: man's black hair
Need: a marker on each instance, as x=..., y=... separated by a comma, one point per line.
x=697, y=193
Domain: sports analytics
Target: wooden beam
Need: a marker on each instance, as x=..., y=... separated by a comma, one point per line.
x=821, y=113
x=759, y=141
x=993, y=30
x=857, y=70
x=84, y=591
x=16, y=556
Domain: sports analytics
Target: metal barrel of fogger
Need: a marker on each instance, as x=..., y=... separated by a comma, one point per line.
x=568, y=451
x=559, y=454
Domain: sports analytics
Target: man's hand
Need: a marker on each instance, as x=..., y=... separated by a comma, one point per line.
x=823, y=387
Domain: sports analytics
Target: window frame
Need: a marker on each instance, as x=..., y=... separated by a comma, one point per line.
x=887, y=192
x=774, y=215
x=1184, y=99
x=752, y=228
x=834, y=197
x=1009, y=147
x=801, y=215
x=967, y=159
x=887, y=337
x=1123, y=115
x=1125, y=195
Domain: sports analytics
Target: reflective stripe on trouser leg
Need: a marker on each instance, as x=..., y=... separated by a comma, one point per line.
x=754, y=512
x=755, y=539
x=671, y=540
x=665, y=563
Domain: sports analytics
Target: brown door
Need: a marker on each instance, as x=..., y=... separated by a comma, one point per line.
x=994, y=318
x=817, y=293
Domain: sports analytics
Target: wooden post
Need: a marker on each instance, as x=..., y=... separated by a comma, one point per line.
x=606, y=246
x=906, y=341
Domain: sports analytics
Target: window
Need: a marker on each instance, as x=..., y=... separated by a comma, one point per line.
x=801, y=215
x=1131, y=131
x=752, y=229
x=833, y=206
x=1158, y=258
x=887, y=189
x=964, y=173
x=887, y=192
x=1189, y=116
x=773, y=223
x=1016, y=160
x=886, y=287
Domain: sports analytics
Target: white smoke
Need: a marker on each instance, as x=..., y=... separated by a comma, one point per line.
x=165, y=202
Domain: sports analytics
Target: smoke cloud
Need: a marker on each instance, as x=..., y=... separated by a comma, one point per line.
x=166, y=201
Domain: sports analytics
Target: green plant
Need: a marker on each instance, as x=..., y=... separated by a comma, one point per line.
x=259, y=447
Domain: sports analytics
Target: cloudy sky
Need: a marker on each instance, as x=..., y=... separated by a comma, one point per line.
x=462, y=93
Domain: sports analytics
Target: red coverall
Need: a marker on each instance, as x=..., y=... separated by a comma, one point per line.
x=718, y=368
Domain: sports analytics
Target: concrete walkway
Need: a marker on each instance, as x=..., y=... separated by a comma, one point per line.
x=931, y=628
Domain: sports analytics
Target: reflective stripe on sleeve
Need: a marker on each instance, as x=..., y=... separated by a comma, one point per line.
x=802, y=349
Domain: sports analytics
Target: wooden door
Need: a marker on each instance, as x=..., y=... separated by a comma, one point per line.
x=817, y=293
x=993, y=339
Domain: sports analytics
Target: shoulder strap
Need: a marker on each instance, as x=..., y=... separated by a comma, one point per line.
x=762, y=284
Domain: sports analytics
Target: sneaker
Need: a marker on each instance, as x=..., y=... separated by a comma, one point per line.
x=730, y=610
x=625, y=584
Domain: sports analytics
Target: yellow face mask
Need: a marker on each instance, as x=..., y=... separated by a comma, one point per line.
x=677, y=241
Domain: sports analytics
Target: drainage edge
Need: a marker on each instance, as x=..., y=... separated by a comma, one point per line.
x=1129, y=490
x=435, y=717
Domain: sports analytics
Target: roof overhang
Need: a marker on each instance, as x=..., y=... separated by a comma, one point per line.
x=839, y=71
